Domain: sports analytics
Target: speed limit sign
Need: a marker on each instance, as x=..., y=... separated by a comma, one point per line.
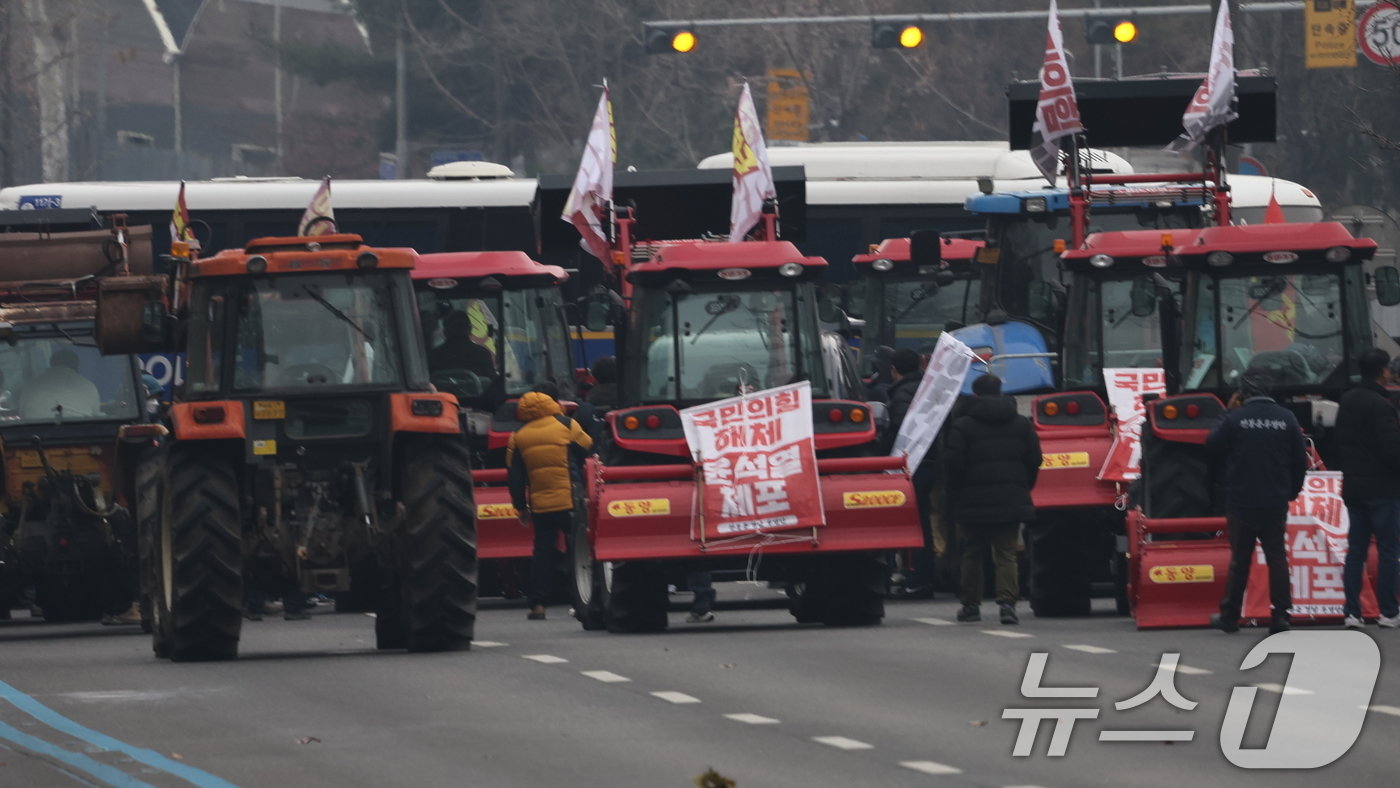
x=1378, y=32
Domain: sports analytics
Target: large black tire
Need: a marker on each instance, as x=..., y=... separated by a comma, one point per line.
x=589, y=581
x=66, y=599
x=437, y=547
x=1176, y=480
x=840, y=591
x=200, y=606
x=638, y=598
x=390, y=630
x=1060, y=565
x=145, y=511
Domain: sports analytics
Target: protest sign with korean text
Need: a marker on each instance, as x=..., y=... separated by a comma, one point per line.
x=933, y=400
x=1316, y=541
x=758, y=461
x=1125, y=390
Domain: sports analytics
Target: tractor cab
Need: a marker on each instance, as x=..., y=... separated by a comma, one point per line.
x=494, y=327
x=914, y=289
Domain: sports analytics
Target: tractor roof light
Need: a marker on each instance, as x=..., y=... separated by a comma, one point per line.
x=1034, y=205
x=882, y=265
x=257, y=264
x=1101, y=260
x=367, y=260
x=1155, y=261
x=1337, y=254
x=1219, y=259
x=1059, y=245
x=790, y=269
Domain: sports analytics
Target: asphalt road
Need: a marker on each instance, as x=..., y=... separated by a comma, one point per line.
x=763, y=701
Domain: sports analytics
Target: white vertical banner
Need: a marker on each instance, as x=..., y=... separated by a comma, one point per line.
x=1211, y=106
x=1125, y=390
x=753, y=178
x=593, y=185
x=933, y=400
x=1057, y=109
x=757, y=453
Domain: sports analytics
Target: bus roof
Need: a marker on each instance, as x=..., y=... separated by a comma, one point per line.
x=269, y=194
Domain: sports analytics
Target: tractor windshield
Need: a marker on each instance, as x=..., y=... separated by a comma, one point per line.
x=704, y=345
x=46, y=378
x=1029, y=282
x=297, y=331
x=493, y=345
x=1111, y=323
x=912, y=312
x=1292, y=324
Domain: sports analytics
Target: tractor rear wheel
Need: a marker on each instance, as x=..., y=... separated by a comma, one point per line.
x=1060, y=568
x=855, y=591
x=200, y=601
x=145, y=510
x=437, y=547
x=590, y=581
x=638, y=598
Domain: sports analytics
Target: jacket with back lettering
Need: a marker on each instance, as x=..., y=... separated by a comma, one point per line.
x=1264, y=457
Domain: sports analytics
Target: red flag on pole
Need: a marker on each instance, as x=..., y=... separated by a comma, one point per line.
x=1273, y=213
x=180, y=229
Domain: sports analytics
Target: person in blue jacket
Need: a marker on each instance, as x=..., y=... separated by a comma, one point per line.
x=1260, y=445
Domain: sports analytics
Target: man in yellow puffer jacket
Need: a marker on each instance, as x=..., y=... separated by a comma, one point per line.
x=544, y=460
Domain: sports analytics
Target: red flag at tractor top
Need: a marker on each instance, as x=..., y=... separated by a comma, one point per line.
x=758, y=461
x=593, y=186
x=1057, y=111
x=319, y=216
x=1211, y=107
x=180, y=229
x=753, y=177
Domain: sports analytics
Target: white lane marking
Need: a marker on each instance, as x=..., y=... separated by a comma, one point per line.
x=930, y=767
x=671, y=696
x=842, y=743
x=1187, y=670
x=935, y=622
x=1382, y=709
x=547, y=659
x=752, y=719
x=488, y=643
x=1282, y=690
x=605, y=676
x=1091, y=649
x=115, y=696
x=1142, y=736
x=1007, y=633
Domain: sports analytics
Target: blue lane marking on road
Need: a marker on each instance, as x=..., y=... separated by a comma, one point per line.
x=53, y=719
x=109, y=775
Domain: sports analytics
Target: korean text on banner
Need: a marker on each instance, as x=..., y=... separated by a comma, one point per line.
x=1316, y=541
x=1212, y=106
x=933, y=400
x=758, y=461
x=1125, y=390
x=1057, y=109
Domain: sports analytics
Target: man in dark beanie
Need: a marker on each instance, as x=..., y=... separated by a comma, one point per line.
x=1367, y=437
x=1261, y=445
x=991, y=459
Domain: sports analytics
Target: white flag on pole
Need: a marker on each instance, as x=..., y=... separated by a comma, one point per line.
x=1212, y=106
x=947, y=368
x=593, y=186
x=753, y=178
x=1057, y=111
x=319, y=216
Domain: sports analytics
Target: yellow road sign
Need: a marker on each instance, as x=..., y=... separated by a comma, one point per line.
x=789, y=109
x=1330, y=29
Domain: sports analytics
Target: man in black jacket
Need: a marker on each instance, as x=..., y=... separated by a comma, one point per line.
x=1367, y=438
x=991, y=459
x=905, y=366
x=1265, y=463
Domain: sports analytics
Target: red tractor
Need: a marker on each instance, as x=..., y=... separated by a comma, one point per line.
x=1288, y=298
x=510, y=309
x=307, y=442
x=699, y=321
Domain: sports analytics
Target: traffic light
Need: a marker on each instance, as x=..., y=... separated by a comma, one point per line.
x=665, y=39
x=901, y=33
x=1110, y=29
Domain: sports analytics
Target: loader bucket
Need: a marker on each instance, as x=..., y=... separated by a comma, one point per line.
x=131, y=315
x=649, y=512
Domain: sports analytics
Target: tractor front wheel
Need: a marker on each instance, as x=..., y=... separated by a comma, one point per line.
x=437, y=548
x=199, y=605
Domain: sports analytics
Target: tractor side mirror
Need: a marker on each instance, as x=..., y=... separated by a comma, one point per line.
x=598, y=310
x=1387, y=280
x=923, y=247
x=1143, y=297
x=829, y=304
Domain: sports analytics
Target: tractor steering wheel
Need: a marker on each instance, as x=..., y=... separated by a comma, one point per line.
x=462, y=382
